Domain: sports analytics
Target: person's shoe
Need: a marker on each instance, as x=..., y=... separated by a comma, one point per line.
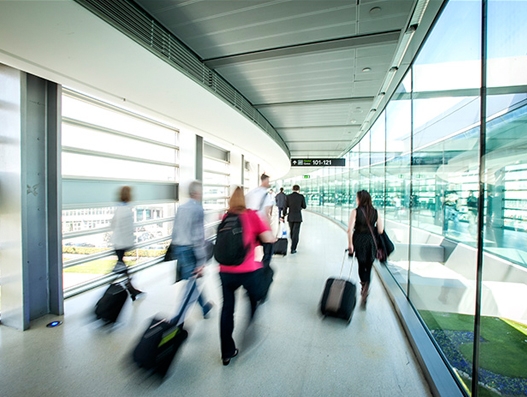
x=206, y=310
x=227, y=361
x=363, y=303
x=293, y=251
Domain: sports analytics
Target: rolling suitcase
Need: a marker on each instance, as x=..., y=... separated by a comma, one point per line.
x=163, y=338
x=110, y=305
x=280, y=246
x=340, y=296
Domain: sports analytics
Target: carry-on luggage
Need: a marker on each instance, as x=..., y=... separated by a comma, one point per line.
x=110, y=305
x=163, y=338
x=280, y=246
x=340, y=296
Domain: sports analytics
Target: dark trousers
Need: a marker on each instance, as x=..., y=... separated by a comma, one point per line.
x=268, y=249
x=280, y=212
x=365, y=271
x=267, y=271
x=120, y=255
x=294, y=228
x=120, y=258
x=230, y=282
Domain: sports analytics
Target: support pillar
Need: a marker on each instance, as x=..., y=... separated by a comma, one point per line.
x=30, y=208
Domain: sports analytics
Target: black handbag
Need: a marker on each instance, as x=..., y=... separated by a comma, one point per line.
x=386, y=243
x=168, y=254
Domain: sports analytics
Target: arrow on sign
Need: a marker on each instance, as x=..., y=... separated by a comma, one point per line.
x=294, y=162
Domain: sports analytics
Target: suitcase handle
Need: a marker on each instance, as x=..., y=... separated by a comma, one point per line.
x=191, y=289
x=344, y=261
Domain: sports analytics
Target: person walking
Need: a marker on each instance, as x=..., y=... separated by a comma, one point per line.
x=188, y=240
x=123, y=239
x=472, y=213
x=295, y=203
x=248, y=274
x=261, y=201
x=362, y=239
x=280, y=202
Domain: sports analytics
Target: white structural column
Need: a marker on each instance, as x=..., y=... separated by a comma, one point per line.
x=30, y=205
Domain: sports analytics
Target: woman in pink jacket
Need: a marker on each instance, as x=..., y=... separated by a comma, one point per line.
x=248, y=274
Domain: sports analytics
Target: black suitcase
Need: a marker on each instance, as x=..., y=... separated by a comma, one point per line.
x=158, y=346
x=110, y=305
x=163, y=338
x=280, y=246
x=339, y=297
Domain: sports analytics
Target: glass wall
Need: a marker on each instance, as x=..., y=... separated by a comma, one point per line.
x=104, y=148
x=453, y=192
x=503, y=348
x=216, y=184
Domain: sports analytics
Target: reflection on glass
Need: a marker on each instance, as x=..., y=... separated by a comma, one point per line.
x=502, y=369
x=445, y=172
x=427, y=181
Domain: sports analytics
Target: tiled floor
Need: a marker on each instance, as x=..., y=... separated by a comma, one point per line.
x=289, y=351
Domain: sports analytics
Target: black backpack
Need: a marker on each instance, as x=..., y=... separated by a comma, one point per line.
x=229, y=248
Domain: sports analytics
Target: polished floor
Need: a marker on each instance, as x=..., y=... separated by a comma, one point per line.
x=289, y=350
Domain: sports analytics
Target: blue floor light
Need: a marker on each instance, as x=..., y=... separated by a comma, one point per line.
x=54, y=324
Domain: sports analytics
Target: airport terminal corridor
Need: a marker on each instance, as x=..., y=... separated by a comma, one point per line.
x=289, y=350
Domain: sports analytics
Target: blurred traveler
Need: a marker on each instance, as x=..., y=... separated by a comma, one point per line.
x=188, y=239
x=294, y=204
x=362, y=239
x=247, y=274
x=261, y=201
x=123, y=239
x=280, y=202
x=472, y=212
x=450, y=209
x=397, y=203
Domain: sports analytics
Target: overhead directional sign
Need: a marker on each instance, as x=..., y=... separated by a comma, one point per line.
x=318, y=162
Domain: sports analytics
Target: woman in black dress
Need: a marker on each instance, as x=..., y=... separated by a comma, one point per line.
x=362, y=224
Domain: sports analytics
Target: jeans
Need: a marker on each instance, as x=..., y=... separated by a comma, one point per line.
x=186, y=262
x=230, y=282
x=294, y=227
x=450, y=213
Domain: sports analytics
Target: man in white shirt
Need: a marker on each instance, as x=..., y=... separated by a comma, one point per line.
x=261, y=201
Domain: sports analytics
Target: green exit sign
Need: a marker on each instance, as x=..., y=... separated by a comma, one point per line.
x=307, y=176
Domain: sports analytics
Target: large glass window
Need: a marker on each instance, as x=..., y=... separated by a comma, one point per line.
x=216, y=185
x=421, y=161
x=445, y=172
x=397, y=196
x=502, y=352
x=103, y=148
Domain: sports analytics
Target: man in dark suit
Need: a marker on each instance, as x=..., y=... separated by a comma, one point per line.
x=294, y=204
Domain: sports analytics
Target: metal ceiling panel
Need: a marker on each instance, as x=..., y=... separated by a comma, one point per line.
x=220, y=28
x=321, y=145
x=379, y=15
x=313, y=68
